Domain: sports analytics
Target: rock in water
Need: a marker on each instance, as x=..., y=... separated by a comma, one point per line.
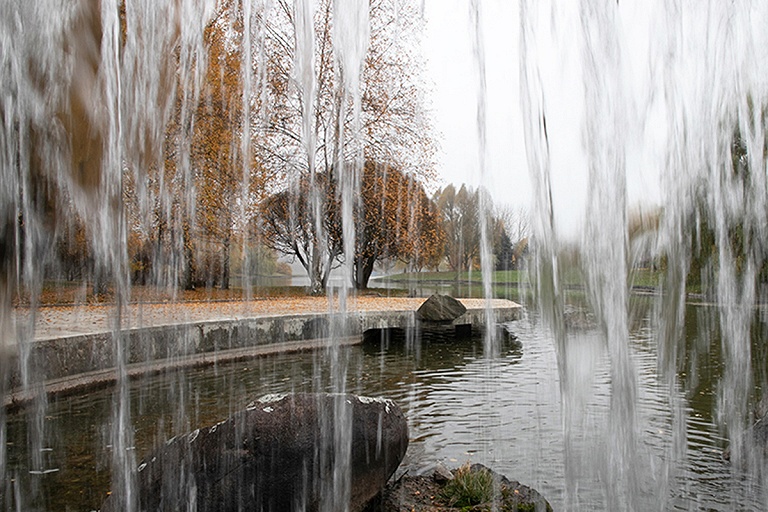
x=754, y=442
x=277, y=455
x=506, y=336
x=514, y=495
x=440, y=308
x=431, y=493
x=442, y=474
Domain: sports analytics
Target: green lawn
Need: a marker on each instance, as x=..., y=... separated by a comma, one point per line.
x=640, y=277
x=645, y=277
x=498, y=277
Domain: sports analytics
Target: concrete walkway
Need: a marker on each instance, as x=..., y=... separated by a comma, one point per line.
x=54, y=322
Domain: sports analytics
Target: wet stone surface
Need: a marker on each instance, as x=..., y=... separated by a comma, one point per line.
x=427, y=493
x=275, y=455
x=440, y=308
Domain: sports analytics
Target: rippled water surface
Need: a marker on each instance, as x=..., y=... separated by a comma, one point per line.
x=504, y=412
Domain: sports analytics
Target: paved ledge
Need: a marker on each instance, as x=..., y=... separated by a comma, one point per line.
x=74, y=348
x=99, y=379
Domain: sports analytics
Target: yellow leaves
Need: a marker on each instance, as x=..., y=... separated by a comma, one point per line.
x=398, y=217
x=207, y=185
x=217, y=146
x=393, y=218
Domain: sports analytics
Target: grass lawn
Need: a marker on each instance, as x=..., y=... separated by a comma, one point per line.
x=63, y=292
x=641, y=277
x=645, y=277
x=498, y=277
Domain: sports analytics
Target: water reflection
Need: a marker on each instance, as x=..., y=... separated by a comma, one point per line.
x=504, y=412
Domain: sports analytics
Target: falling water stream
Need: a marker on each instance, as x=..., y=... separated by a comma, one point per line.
x=674, y=92
x=445, y=393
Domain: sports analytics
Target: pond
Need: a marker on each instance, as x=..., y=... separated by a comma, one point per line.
x=504, y=412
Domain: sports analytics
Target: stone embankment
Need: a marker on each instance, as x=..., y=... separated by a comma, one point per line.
x=73, y=347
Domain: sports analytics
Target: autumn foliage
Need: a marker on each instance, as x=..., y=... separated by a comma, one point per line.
x=246, y=147
x=205, y=187
x=393, y=217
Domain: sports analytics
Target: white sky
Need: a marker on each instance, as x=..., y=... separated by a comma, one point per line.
x=451, y=66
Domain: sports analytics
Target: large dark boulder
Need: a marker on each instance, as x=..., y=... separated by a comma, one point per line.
x=440, y=308
x=277, y=455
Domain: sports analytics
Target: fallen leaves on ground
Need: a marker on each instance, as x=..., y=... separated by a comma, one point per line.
x=72, y=319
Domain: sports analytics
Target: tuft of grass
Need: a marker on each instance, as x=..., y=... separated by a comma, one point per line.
x=469, y=488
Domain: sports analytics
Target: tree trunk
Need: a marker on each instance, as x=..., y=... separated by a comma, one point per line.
x=317, y=277
x=225, y=263
x=100, y=287
x=188, y=270
x=363, y=270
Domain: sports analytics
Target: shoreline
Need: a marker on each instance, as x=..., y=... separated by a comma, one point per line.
x=74, y=350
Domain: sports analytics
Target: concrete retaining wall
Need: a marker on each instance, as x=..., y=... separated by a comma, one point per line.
x=62, y=357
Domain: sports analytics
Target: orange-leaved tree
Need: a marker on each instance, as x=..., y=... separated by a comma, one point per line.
x=394, y=219
x=209, y=183
x=312, y=123
x=227, y=176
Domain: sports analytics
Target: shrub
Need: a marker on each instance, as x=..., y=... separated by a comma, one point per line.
x=469, y=488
